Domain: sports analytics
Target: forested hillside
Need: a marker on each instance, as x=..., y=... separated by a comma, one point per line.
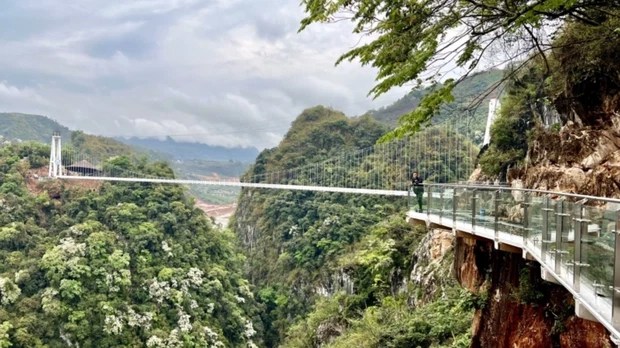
x=470, y=105
x=324, y=265
x=14, y=126
x=100, y=147
x=558, y=126
x=189, y=159
x=114, y=265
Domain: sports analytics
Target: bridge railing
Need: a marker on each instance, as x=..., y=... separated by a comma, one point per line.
x=575, y=237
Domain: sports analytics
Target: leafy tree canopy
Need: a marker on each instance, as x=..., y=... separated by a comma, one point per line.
x=414, y=41
x=116, y=265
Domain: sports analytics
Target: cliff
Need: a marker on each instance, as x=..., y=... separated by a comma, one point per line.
x=517, y=308
x=582, y=159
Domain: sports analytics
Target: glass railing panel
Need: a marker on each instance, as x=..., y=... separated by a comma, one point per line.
x=565, y=225
x=446, y=204
x=596, y=264
x=485, y=209
x=535, y=223
x=435, y=202
x=463, y=205
x=549, y=221
x=510, y=212
x=438, y=201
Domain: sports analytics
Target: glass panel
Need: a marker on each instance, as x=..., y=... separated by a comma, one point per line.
x=567, y=249
x=436, y=203
x=548, y=243
x=535, y=223
x=510, y=212
x=485, y=209
x=446, y=207
x=438, y=200
x=597, y=253
x=463, y=207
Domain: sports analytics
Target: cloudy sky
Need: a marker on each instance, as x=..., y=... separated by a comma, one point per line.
x=226, y=72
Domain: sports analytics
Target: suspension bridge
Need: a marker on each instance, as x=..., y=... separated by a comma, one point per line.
x=441, y=152
x=574, y=238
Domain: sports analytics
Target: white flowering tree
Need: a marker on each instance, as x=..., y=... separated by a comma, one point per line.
x=128, y=265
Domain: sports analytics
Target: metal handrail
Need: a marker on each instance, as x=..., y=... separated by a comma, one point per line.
x=504, y=188
x=556, y=232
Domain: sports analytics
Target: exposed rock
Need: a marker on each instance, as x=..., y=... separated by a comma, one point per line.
x=520, y=309
x=328, y=331
x=440, y=243
x=430, y=271
x=333, y=283
x=515, y=213
x=469, y=269
x=578, y=159
x=584, y=333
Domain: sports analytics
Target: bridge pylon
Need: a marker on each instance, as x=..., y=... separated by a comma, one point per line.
x=494, y=106
x=55, y=167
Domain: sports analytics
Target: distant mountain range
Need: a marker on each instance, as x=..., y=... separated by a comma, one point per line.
x=26, y=127
x=193, y=151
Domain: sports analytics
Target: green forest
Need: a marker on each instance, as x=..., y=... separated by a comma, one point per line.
x=99, y=264
x=114, y=264
x=334, y=269
x=111, y=264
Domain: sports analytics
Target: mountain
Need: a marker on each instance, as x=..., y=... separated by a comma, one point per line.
x=469, y=99
x=318, y=261
x=103, y=147
x=17, y=126
x=193, y=151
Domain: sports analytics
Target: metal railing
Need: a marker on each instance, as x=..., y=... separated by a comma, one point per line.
x=574, y=237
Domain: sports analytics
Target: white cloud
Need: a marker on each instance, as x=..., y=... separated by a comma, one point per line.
x=144, y=7
x=232, y=73
x=14, y=96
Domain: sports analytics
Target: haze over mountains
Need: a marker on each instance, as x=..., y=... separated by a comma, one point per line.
x=186, y=151
x=26, y=127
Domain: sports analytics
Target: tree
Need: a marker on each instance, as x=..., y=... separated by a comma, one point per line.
x=416, y=41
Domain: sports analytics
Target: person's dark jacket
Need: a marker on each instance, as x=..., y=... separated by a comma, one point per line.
x=417, y=182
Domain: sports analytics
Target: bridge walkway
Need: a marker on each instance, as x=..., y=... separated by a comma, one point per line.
x=574, y=238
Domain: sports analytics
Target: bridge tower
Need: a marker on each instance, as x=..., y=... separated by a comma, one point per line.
x=493, y=108
x=55, y=168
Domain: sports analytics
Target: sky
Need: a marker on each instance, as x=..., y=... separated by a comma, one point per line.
x=220, y=72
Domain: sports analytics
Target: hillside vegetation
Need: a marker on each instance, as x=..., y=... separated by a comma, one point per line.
x=325, y=266
x=469, y=108
x=114, y=265
x=14, y=126
x=98, y=146
x=192, y=164
x=557, y=128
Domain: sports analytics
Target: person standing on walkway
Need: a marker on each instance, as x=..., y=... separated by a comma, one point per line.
x=418, y=188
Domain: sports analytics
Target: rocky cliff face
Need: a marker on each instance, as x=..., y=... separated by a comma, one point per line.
x=579, y=159
x=432, y=259
x=516, y=307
